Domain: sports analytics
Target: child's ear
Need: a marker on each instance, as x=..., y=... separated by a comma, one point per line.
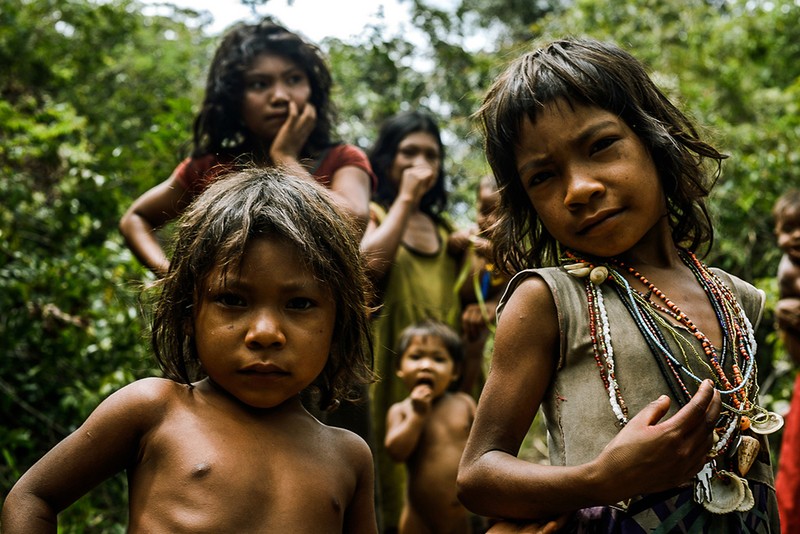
x=399, y=373
x=456, y=373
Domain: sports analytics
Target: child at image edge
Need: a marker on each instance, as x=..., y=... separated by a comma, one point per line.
x=263, y=299
x=641, y=357
x=429, y=428
x=787, y=314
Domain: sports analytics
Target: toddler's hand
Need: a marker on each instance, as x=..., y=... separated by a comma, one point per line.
x=422, y=398
x=649, y=456
x=459, y=240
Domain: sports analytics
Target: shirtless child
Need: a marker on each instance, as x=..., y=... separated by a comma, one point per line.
x=265, y=276
x=428, y=429
x=787, y=310
x=787, y=317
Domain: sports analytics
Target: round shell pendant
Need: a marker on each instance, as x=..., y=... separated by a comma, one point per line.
x=749, y=501
x=598, y=275
x=766, y=423
x=728, y=493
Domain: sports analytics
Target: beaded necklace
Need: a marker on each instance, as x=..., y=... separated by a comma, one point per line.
x=736, y=329
x=733, y=323
x=738, y=344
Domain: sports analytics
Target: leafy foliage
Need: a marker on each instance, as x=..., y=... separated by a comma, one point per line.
x=96, y=106
x=89, y=112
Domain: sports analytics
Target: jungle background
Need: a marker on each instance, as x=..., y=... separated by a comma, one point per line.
x=96, y=105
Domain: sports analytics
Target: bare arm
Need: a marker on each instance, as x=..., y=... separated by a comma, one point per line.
x=646, y=456
x=788, y=278
x=107, y=443
x=787, y=317
x=146, y=215
x=351, y=187
x=405, y=422
x=380, y=242
x=360, y=514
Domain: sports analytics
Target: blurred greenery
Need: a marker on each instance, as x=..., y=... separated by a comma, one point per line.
x=96, y=105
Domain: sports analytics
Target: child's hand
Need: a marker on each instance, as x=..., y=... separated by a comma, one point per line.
x=293, y=133
x=422, y=398
x=649, y=456
x=459, y=240
x=533, y=527
x=416, y=181
x=483, y=247
x=472, y=322
x=787, y=314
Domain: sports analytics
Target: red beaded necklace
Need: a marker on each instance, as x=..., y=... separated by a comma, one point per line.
x=733, y=321
x=725, y=306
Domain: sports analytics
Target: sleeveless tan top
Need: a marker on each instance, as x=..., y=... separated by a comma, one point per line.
x=580, y=421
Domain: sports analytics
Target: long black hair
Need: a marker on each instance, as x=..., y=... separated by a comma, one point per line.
x=218, y=127
x=384, y=151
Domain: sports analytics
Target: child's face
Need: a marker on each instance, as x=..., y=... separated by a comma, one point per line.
x=787, y=230
x=488, y=201
x=418, y=149
x=427, y=361
x=266, y=334
x=271, y=83
x=591, y=179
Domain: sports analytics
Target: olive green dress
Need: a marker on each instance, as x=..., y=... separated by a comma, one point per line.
x=418, y=286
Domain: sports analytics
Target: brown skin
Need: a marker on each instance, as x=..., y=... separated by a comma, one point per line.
x=476, y=249
x=596, y=190
x=414, y=171
x=428, y=431
x=200, y=461
x=277, y=90
x=787, y=310
x=237, y=452
x=545, y=527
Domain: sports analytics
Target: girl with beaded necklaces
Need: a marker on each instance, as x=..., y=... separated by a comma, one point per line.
x=642, y=357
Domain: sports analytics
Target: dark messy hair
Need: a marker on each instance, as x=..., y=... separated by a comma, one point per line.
x=790, y=199
x=384, y=151
x=433, y=328
x=218, y=127
x=588, y=72
x=213, y=234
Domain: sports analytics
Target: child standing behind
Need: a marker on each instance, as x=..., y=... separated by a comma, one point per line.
x=264, y=298
x=267, y=102
x=429, y=428
x=787, y=312
x=641, y=356
x=481, y=285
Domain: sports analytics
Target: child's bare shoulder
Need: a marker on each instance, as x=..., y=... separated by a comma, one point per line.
x=461, y=403
x=528, y=286
x=147, y=393
x=349, y=442
x=788, y=277
x=463, y=398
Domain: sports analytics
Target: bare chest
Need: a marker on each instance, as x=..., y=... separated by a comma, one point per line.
x=196, y=474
